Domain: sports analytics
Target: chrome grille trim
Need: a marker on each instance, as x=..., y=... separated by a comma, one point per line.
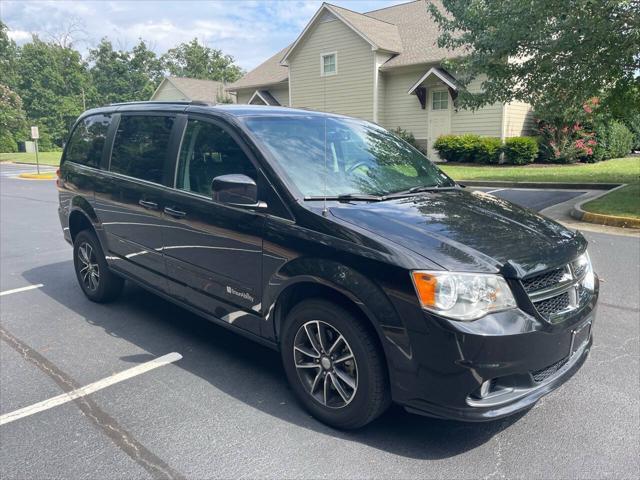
x=554, y=301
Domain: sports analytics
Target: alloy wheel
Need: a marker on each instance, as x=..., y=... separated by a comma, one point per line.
x=325, y=364
x=89, y=269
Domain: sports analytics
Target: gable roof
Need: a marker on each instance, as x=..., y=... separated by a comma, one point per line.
x=267, y=73
x=266, y=98
x=407, y=29
x=194, y=89
x=418, y=31
x=381, y=35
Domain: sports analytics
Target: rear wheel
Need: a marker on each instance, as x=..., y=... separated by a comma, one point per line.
x=98, y=283
x=334, y=364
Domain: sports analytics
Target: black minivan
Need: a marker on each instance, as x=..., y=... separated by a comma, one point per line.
x=376, y=276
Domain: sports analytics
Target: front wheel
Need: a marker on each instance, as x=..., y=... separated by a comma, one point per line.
x=98, y=283
x=334, y=364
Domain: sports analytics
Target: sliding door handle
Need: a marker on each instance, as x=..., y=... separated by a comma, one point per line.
x=174, y=213
x=148, y=205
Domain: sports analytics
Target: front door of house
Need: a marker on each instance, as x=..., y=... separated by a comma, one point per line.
x=439, y=118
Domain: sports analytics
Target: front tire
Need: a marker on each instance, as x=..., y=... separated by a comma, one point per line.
x=98, y=283
x=334, y=364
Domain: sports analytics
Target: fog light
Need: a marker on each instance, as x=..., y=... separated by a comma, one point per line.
x=485, y=388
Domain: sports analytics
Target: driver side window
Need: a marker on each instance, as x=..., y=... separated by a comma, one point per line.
x=208, y=151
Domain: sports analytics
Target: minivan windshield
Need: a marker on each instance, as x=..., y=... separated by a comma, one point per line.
x=343, y=157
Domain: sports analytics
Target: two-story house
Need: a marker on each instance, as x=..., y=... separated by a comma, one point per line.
x=383, y=66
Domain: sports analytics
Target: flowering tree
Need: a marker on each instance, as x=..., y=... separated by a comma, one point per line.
x=551, y=54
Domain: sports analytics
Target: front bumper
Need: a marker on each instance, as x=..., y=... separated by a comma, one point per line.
x=521, y=359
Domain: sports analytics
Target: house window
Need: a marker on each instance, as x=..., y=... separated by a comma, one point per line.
x=329, y=64
x=440, y=100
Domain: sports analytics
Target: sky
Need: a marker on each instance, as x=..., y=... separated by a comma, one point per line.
x=249, y=30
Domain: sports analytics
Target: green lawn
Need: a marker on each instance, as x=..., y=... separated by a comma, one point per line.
x=624, y=202
x=45, y=158
x=619, y=170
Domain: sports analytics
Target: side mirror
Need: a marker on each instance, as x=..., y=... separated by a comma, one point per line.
x=236, y=190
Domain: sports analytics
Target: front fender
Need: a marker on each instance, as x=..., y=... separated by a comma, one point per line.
x=366, y=295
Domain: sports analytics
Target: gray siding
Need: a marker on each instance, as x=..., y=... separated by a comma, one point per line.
x=279, y=92
x=518, y=119
x=167, y=92
x=350, y=91
x=400, y=109
x=486, y=121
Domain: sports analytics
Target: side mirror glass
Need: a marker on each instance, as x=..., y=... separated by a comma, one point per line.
x=236, y=190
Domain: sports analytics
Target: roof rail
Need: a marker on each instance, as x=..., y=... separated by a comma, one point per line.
x=163, y=102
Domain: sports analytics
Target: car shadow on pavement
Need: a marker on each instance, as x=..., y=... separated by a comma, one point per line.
x=252, y=373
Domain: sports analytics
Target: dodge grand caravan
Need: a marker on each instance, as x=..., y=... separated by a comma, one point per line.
x=375, y=275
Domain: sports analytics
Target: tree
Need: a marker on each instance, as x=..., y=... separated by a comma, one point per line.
x=554, y=55
x=13, y=120
x=8, y=57
x=198, y=61
x=122, y=76
x=52, y=81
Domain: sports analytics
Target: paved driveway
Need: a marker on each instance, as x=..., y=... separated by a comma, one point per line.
x=224, y=410
x=535, y=199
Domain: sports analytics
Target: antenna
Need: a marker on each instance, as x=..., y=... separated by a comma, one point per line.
x=324, y=187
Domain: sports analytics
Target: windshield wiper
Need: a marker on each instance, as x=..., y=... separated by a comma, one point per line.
x=419, y=189
x=345, y=197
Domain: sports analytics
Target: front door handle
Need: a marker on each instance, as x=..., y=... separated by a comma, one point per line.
x=148, y=205
x=174, y=213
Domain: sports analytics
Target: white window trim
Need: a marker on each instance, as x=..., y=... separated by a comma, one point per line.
x=322, y=72
x=434, y=90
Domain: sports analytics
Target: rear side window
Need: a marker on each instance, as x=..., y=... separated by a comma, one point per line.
x=208, y=151
x=88, y=139
x=140, y=146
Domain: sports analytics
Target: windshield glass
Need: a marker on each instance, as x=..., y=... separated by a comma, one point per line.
x=336, y=156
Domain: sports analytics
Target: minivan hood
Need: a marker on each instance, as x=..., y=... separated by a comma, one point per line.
x=468, y=231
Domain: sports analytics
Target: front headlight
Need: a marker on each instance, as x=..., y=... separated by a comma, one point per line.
x=462, y=296
x=583, y=270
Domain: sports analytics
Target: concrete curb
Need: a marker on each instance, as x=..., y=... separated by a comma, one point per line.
x=37, y=176
x=611, y=220
x=547, y=185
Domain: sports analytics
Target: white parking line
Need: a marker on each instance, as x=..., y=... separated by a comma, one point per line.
x=496, y=190
x=21, y=289
x=91, y=388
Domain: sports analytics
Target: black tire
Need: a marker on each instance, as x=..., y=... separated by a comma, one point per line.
x=98, y=283
x=371, y=396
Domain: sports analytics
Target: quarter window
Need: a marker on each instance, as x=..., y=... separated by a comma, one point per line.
x=329, y=64
x=88, y=139
x=208, y=151
x=439, y=100
x=140, y=146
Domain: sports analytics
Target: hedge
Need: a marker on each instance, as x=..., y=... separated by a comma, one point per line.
x=474, y=148
x=520, y=150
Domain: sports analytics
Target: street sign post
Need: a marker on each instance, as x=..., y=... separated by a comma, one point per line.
x=35, y=135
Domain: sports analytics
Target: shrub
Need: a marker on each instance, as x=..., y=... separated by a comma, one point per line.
x=457, y=148
x=447, y=147
x=408, y=137
x=488, y=150
x=620, y=140
x=633, y=124
x=564, y=143
x=520, y=150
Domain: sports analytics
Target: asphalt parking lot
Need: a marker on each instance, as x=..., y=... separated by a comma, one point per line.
x=224, y=409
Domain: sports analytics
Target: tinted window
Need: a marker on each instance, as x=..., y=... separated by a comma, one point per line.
x=207, y=152
x=343, y=156
x=86, y=144
x=140, y=146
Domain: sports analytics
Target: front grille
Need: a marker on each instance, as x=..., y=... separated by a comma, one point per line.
x=553, y=305
x=558, y=291
x=543, y=280
x=540, y=376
